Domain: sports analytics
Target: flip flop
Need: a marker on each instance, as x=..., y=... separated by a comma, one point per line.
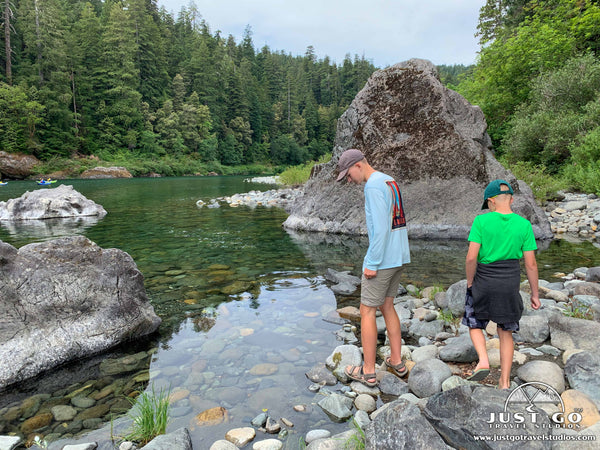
x=361, y=377
x=479, y=375
x=399, y=369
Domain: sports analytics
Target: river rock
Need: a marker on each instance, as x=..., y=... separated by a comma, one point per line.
x=534, y=328
x=345, y=284
x=577, y=400
x=426, y=377
x=462, y=413
x=84, y=446
x=63, y=413
x=268, y=444
x=60, y=202
x=106, y=172
x=544, y=371
x=425, y=352
x=314, y=435
x=342, y=356
x=9, y=442
x=66, y=299
x=222, y=444
x=320, y=374
x=419, y=329
x=391, y=385
x=581, y=370
x=17, y=165
x=364, y=402
x=431, y=140
x=401, y=426
x=337, y=406
x=569, y=333
x=458, y=349
x=587, y=288
x=593, y=273
x=585, y=301
x=455, y=298
x=240, y=436
x=176, y=440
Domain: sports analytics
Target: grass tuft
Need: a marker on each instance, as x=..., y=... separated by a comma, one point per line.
x=150, y=416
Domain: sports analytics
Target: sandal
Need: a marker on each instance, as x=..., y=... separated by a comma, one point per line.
x=361, y=377
x=479, y=375
x=399, y=369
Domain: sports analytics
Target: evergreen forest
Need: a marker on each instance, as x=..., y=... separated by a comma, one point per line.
x=125, y=80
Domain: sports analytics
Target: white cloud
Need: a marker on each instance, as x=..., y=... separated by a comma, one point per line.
x=385, y=31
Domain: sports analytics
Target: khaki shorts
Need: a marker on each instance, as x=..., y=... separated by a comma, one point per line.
x=385, y=284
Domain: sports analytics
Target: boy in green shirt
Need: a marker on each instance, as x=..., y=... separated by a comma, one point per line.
x=497, y=241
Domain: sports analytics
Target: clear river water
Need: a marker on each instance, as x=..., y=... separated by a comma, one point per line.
x=246, y=310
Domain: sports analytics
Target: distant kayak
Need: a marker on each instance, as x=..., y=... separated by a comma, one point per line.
x=3, y=183
x=43, y=182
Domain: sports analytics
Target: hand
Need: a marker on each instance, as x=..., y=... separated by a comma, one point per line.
x=370, y=273
x=535, y=302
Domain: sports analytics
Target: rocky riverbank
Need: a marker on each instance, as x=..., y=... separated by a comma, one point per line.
x=557, y=345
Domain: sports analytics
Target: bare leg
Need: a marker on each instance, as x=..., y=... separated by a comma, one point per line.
x=392, y=324
x=368, y=337
x=507, y=349
x=479, y=343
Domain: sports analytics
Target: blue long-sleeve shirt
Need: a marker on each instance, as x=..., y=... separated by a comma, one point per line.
x=386, y=224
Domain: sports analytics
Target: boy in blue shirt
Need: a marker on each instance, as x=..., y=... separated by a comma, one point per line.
x=388, y=251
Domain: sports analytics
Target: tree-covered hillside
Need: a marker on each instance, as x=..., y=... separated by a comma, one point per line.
x=537, y=80
x=126, y=78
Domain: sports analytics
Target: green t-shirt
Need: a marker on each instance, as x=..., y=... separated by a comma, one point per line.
x=502, y=236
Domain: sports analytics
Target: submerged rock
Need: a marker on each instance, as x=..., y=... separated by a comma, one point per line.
x=66, y=299
x=431, y=140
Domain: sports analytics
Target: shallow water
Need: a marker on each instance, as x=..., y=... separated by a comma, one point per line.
x=246, y=311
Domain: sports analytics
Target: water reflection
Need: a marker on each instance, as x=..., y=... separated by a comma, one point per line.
x=47, y=229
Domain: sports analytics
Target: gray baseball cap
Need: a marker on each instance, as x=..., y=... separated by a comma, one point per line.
x=347, y=160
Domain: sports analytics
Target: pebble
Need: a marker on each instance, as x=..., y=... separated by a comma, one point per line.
x=313, y=435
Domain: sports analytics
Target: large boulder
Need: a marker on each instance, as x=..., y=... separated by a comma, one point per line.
x=60, y=202
x=17, y=165
x=66, y=299
x=106, y=172
x=431, y=140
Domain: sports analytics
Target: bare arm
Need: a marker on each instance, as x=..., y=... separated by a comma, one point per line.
x=471, y=262
x=532, y=276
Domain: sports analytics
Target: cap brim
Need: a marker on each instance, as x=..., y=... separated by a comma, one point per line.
x=342, y=175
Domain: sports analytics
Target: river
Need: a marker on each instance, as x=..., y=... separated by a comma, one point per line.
x=246, y=311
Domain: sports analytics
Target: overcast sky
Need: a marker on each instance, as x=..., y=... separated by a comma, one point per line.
x=384, y=31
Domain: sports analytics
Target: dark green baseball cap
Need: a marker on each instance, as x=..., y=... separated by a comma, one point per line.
x=493, y=189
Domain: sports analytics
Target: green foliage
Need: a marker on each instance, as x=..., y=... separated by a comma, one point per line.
x=449, y=318
x=563, y=107
x=150, y=416
x=450, y=76
x=19, y=116
x=543, y=183
x=542, y=40
x=583, y=172
x=580, y=312
x=297, y=175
